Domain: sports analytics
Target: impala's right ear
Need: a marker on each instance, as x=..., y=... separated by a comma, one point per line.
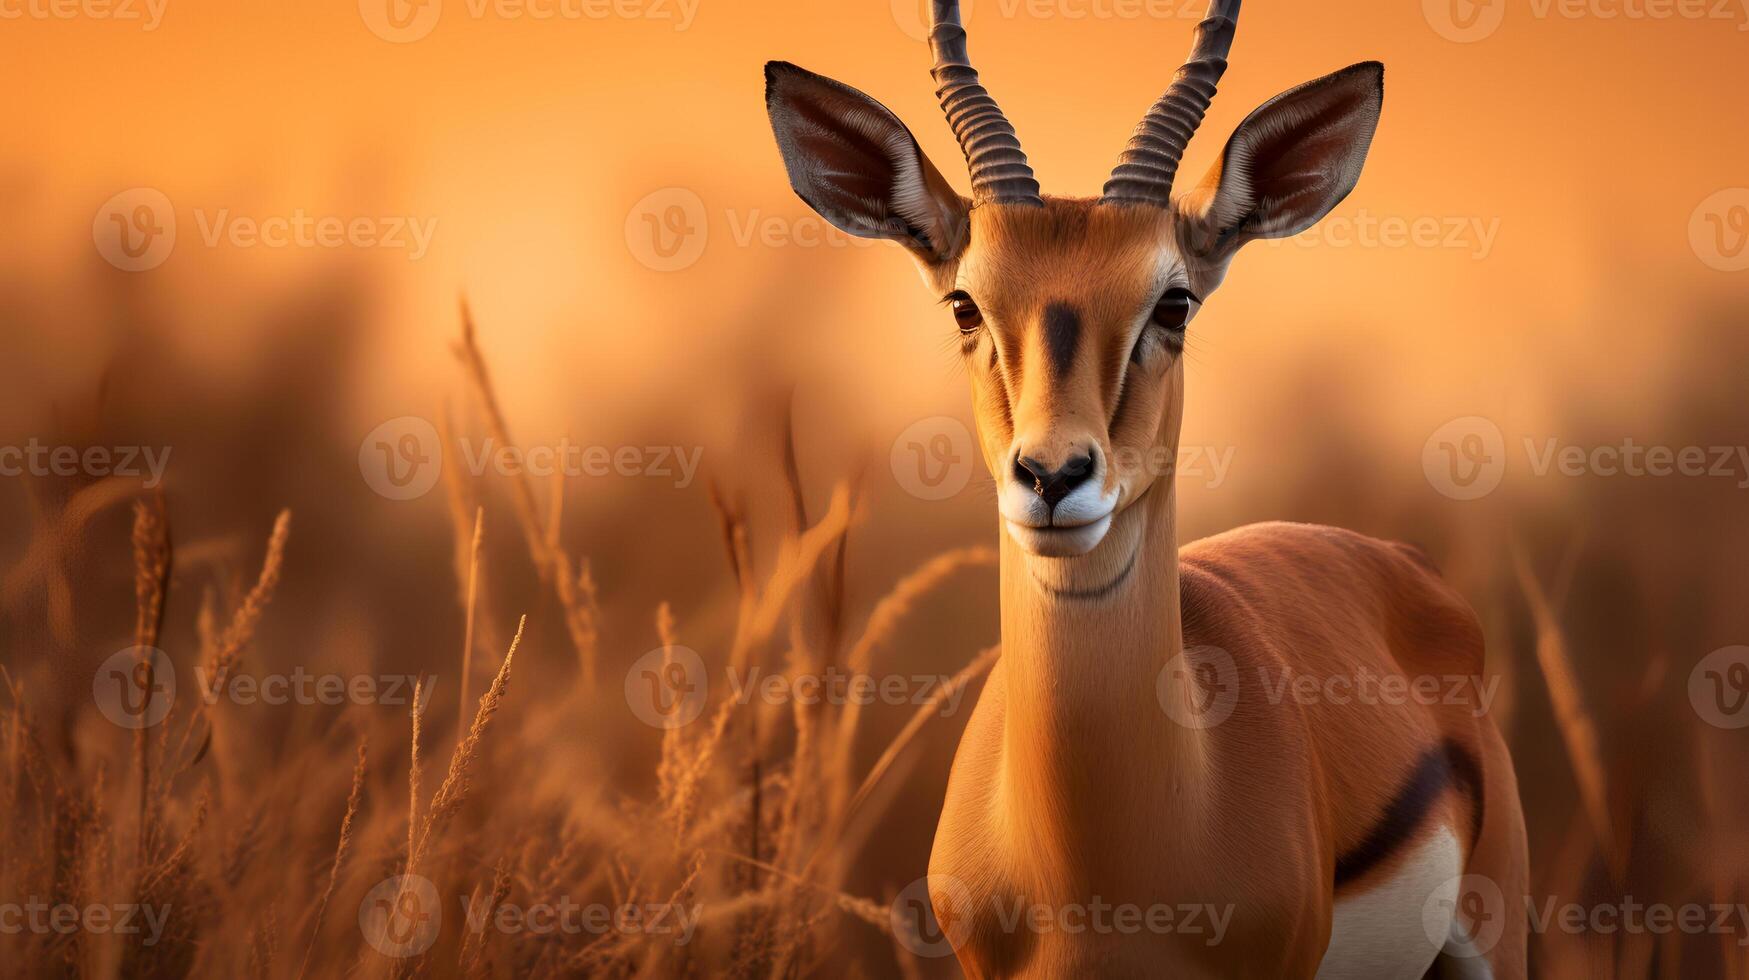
x=855, y=163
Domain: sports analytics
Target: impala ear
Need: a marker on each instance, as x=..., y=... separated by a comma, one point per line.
x=1289, y=163
x=856, y=164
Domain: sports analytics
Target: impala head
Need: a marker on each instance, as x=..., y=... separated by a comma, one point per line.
x=1072, y=313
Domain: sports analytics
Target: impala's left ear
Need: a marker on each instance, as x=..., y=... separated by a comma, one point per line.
x=1288, y=164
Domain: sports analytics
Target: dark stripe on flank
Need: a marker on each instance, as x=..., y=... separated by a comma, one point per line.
x=1445, y=765
x=1062, y=336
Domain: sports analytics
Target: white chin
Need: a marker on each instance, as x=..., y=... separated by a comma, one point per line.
x=1060, y=542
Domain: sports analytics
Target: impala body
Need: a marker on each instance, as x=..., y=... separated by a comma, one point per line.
x=1174, y=727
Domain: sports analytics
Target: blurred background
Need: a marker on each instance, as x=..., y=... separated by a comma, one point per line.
x=239, y=239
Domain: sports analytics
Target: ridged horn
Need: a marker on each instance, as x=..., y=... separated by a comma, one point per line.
x=1144, y=173
x=1000, y=173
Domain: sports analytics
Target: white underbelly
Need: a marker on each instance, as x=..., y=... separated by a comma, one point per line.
x=1396, y=929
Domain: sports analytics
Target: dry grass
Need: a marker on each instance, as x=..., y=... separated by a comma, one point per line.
x=261, y=847
x=756, y=805
x=340, y=850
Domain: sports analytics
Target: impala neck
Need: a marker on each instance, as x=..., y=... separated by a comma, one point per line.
x=1088, y=747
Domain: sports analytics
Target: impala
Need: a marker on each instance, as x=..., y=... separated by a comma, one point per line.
x=1130, y=749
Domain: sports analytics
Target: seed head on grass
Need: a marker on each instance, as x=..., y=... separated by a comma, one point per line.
x=414, y=767
x=340, y=852
x=454, y=789
x=241, y=630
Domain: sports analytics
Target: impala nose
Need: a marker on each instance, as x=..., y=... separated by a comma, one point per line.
x=1052, y=485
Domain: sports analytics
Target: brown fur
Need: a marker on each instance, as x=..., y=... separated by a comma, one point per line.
x=1083, y=778
x=1072, y=784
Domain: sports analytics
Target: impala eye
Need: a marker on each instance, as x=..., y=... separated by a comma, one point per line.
x=1173, y=310
x=1166, y=324
x=965, y=312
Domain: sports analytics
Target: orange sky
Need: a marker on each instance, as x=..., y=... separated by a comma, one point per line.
x=1561, y=158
